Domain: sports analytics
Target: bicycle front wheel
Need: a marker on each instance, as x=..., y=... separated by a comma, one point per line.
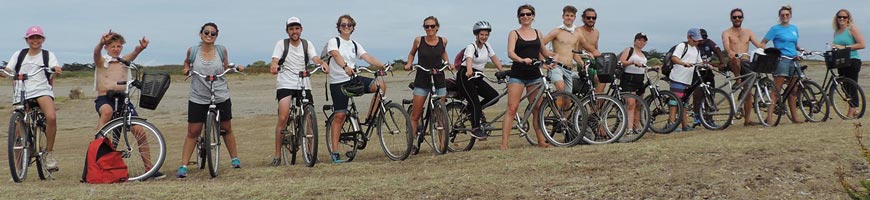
x=459, y=138
x=18, y=147
x=640, y=122
x=846, y=94
x=439, y=127
x=557, y=119
x=213, y=143
x=811, y=101
x=606, y=122
x=308, y=135
x=141, y=145
x=717, y=110
x=660, y=111
x=394, y=130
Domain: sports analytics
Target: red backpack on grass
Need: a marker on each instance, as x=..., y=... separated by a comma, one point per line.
x=103, y=164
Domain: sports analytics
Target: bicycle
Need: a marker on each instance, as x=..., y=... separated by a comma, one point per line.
x=300, y=131
x=607, y=121
x=435, y=112
x=208, y=146
x=660, y=103
x=389, y=118
x=641, y=115
x=146, y=135
x=716, y=107
x=810, y=99
x=839, y=93
x=26, y=131
x=752, y=84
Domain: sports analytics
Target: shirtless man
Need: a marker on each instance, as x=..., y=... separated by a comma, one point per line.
x=564, y=39
x=589, y=34
x=736, y=41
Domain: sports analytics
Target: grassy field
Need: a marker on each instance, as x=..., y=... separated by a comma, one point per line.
x=792, y=161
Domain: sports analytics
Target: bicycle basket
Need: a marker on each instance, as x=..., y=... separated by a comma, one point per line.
x=766, y=63
x=353, y=88
x=837, y=58
x=579, y=85
x=607, y=64
x=452, y=88
x=152, y=88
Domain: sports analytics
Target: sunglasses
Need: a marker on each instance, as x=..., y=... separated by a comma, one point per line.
x=430, y=26
x=210, y=33
x=592, y=18
x=842, y=17
x=784, y=15
x=346, y=25
x=526, y=14
x=737, y=17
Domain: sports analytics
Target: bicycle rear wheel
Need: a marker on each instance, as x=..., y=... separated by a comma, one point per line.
x=842, y=99
x=394, y=130
x=761, y=100
x=347, y=138
x=557, y=119
x=308, y=135
x=142, y=146
x=641, y=118
x=606, y=122
x=41, y=149
x=811, y=101
x=459, y=138
x=288, y=153
x=212, y=137
x=18, y=147
x=660, y=111
x=717, y=110
x=439, y=127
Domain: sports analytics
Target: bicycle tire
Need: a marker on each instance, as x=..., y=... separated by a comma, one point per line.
x=556, y=119
x=642, y=118
x=18, y=147
x=138, y=164
x=460, y=138
x=839, y=98
x=811, y=102
x=719, y=107
x=659, y=111
x=347, y=139
x=439, y=127
x=212, y=140
x=394, y=127
x=308, y=136
x=41, y=149
x=761, y=100
x=598, y=125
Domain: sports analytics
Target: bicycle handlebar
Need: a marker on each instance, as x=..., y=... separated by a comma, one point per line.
x=433, y=71
x=33, y=72
x=232, y=67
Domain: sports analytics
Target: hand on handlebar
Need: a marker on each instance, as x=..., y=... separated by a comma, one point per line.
x=407, y=66
x=349, y=71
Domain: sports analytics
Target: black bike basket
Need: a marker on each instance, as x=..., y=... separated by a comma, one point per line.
x=153, y=87
x=766, y=63
x=606, y=67
x=837, y=58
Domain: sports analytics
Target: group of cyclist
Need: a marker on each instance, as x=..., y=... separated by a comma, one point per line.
x=526, y=46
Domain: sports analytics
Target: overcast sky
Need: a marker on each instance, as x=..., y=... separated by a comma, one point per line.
x=386, y=28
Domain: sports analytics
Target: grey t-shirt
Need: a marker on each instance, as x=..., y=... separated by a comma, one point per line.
x=199, y=87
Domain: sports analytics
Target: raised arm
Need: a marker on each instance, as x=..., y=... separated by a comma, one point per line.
x=143, y=43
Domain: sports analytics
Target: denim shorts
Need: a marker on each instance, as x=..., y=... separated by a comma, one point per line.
x=425, y=92
x=788, y=68
x=524, y=82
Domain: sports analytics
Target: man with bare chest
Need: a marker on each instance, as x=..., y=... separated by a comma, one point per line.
x=589, y=34
x=564, y=39
x=109, y=70
x=736, y=40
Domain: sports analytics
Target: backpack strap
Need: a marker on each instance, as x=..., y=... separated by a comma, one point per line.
x=21, y=56
x=284, y=55
x=630, y=52
x=685, y=49
x=304, y=51
x=194, y=50
x=45, y=64
x=221, y=51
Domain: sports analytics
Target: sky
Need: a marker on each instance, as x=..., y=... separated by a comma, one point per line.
x=386, y=28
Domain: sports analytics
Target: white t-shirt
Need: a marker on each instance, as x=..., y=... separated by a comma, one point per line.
x=347, y=52
x=289, y=79
x=483, y=55
x=633, y=69
x=681, y=73
x=36, y=85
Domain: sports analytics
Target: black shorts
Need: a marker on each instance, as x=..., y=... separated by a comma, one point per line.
x=295, y=94
x=339, y=100
x=103, y=100
x=632, y=83
x=196, y=113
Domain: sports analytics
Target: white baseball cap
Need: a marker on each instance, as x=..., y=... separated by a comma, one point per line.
x=293, y=20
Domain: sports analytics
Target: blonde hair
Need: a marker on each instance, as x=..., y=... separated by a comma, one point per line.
x=785, y=7
x=848, y=22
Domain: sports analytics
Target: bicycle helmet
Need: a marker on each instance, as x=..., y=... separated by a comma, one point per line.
x=480, y=26
x=353, y=88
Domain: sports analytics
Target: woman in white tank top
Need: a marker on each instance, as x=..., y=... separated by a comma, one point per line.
x=632, y=80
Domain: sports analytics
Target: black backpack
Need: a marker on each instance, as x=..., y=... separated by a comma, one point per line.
x=667, y=64
x=287, y=49
x=23, y=54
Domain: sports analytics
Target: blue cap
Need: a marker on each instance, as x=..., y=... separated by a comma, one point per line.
x=695, y=33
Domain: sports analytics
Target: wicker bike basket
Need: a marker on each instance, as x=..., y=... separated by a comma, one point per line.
x=153, y=87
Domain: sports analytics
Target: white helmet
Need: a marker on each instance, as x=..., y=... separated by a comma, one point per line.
x=481, y=25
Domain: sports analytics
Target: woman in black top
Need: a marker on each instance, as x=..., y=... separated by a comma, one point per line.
x=523, y=74
x=430, y=49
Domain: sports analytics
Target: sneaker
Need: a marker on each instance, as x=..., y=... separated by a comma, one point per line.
x=158, y=175
x=182, y=172
x=236, y=163
x=335, y=158
x=50, y=162
x=478, y=134
x=276, y=162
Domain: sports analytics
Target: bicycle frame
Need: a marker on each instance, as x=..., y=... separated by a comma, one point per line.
x=378, y=109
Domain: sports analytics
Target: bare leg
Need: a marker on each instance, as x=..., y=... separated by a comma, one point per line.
x=416, y=113
x=515, y=91
x=335, y=129
x=193, y=131
x=47, y=105
x=283, y=115
x=542, y=142
x=229, y=138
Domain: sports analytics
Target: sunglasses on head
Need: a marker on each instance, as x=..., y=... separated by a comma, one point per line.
x=346, y=25
x=842, y=17
x=737, y=17
x=591, y=17
x=430, y=26
x=528, y=14
x=210, y=33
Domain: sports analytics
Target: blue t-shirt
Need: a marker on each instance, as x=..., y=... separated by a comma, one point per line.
x=784, y=38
